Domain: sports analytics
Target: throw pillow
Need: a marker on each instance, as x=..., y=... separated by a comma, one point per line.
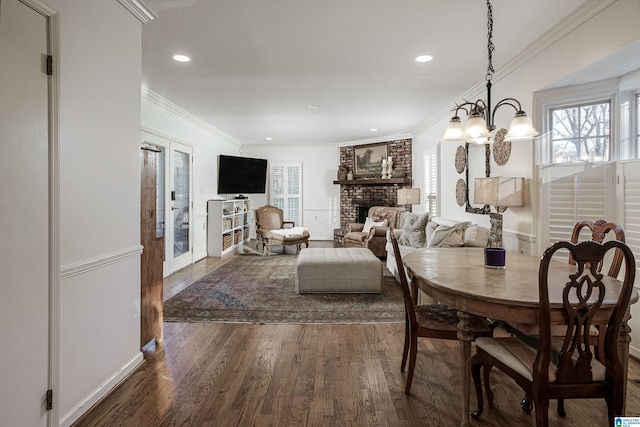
x=476, y=236
x=369, y=224
x=413, y=233
x=448, y=236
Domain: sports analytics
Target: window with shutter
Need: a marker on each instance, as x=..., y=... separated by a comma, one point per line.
x=630, y=177
x=431, y=181
x=286, y=190
x=572, y=193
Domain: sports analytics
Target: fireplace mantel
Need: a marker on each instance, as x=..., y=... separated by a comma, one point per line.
x=374, y=181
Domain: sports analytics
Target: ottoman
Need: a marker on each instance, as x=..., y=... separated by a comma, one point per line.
x=343, y=270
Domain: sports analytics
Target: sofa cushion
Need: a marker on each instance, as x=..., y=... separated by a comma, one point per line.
x=414, y=233
x=445, y=233
x=370, y=223
x=476, y=236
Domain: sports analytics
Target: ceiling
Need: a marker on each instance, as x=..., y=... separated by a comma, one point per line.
x=257, y=65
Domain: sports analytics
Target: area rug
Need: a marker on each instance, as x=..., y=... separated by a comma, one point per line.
x=253, y=288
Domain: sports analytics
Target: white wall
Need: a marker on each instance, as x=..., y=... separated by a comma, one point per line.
x=612, y=29
x=321, y=198
x=99, y=129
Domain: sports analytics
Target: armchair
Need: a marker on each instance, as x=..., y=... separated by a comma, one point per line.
x=271, y=230
x=374, y=236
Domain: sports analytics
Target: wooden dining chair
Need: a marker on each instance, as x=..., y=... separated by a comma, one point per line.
x=548, y=367
x=598, y=230
x=428, y=321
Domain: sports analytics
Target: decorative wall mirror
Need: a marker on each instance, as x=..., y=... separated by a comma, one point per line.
x=464, y=189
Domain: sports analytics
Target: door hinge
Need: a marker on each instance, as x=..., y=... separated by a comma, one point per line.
x=49, y=400
x=49, y=65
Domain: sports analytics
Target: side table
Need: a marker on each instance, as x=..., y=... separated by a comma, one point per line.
x=338, y=237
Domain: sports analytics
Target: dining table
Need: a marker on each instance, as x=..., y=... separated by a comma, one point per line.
x=459, y=278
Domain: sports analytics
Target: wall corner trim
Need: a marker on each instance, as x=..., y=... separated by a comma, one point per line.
x=139, y=10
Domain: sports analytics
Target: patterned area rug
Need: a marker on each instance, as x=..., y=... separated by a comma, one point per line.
x=261, y=289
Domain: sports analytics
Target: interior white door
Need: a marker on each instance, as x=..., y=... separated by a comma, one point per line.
x=180, y=207
x=24, y=209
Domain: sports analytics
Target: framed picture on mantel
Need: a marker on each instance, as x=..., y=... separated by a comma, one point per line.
x=368, y=159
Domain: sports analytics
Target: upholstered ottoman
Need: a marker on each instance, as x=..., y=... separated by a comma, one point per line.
x=344, y=270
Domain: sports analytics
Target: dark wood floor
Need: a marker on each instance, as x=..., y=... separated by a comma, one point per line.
x=212, y=374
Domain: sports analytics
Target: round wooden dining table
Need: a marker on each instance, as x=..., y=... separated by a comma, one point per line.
x=458, y=278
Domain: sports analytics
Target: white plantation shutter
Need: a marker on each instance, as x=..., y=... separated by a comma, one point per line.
x=286, y=190
x=431, y=181
x=573, y=193
x=630, y=176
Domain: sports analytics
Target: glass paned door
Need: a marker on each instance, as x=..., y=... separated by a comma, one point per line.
x=180, y=247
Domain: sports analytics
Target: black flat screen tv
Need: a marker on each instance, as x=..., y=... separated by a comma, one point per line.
x=241, y=175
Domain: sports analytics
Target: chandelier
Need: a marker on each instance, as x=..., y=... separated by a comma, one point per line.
x=481, y=117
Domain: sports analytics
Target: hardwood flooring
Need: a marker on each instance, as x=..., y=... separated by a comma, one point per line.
x=214, y=374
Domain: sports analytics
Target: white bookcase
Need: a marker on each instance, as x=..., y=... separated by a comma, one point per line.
x=228, y=225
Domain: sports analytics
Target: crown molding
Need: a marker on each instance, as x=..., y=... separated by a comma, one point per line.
x=564, y=27
x=139, y=10
x=386, y=138
x=181, y=112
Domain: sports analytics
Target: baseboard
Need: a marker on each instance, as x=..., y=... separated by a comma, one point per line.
x=101, y=391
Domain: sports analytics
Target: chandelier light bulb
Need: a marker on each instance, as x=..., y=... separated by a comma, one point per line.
x=521, y=128
x=455, y=131
x=476, y=128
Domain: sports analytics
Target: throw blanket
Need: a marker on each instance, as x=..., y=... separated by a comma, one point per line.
x=290, y=232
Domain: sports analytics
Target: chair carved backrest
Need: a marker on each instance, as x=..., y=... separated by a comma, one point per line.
x=598, y=231
x=406, y=293
x=269, y=218
x=583, y=295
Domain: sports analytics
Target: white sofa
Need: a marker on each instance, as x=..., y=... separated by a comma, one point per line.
x=420, y=231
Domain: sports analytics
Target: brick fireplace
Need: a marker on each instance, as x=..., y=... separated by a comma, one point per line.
x=357, y=196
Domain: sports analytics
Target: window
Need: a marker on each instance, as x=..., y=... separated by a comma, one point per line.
x=286, y=190
x=580, y=133
x=431, y=181
x=572, y=193
x=638, y=122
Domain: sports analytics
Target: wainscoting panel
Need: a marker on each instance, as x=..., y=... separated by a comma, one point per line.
x=199, y=234
x=99, y=328
x=321, y=222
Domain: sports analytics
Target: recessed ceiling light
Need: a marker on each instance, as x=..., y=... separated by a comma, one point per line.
x=181, y=58
x=424, y=58
x=313, y=106
x=269, y=138
x=373, y=130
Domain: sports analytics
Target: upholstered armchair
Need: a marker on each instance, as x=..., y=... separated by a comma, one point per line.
x=373, y=234
x=271, y=229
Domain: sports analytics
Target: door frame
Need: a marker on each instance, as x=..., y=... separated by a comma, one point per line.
x=53, y=42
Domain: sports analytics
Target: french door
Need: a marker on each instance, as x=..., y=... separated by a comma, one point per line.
x=179, y=248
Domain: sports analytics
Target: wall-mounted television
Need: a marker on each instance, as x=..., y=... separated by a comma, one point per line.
x=241, y=175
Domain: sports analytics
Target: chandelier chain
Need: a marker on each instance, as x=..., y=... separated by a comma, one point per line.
x=490, y=46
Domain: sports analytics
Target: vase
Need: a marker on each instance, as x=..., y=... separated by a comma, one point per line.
x=342, y=173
